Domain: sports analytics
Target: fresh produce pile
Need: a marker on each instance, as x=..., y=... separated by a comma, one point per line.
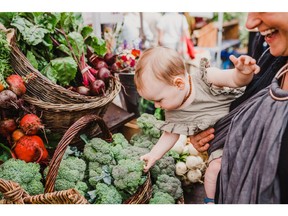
x=63, y=49
x=107, y=173
x=190, y=164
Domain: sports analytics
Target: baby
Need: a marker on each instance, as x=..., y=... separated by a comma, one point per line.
x=192, y=101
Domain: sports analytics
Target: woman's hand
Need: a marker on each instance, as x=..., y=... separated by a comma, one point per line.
x=200, y=141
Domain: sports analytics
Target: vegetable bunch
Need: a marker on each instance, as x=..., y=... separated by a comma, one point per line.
x=190, y=164
x=60, y=46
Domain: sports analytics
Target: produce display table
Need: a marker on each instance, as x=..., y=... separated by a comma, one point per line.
x=115, y=117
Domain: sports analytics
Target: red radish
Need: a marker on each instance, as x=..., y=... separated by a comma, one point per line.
x=101, y=64
x=17, y=134
x=30, y=124
x=110, y=58
x=104, y=74
x=30, y=149
x=83, y=90
x=16, y=84
x=97, y=88
x=8, y=99
x=7, y=126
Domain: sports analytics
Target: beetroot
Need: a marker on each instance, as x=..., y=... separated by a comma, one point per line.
x=30, y=124
x=16, y=84
x=110, y=59
x=30, y=149
x=7, y=126
x=97, y=88
x=83, y=90
x=8, y=99
x=101, y=64
x=104, y=74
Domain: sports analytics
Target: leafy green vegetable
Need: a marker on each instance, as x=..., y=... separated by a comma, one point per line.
x=5, y=66
x=61, y=70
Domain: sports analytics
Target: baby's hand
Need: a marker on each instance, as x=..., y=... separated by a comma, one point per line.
x=245, y=64
x=149, y=160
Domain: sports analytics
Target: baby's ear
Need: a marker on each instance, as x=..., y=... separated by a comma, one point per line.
x=179, y=82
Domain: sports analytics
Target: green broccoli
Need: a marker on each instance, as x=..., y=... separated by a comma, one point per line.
x=162, y=198
x=98, y=150
x=97, y=173
x=133, y=152
x=82, y=187
x=170, y=185
x=106, y=194
x=165, y=165
x=147, y=124
x=119, y=138
x=70, y=172
x=141, y=140
x=128, y=175
x=26, y=174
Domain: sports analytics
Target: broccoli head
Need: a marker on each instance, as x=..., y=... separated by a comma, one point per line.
x=131, y=152
x=26, y=174
x=162, y=198
x=147, y=124
x=119, y=139
x=107, y=194
x=141, y=140
x=165, y=165
x=98, y=150
x=128, y=175
x=81, y=187
x=71, y=171
x=98, y=173
x=170, y=185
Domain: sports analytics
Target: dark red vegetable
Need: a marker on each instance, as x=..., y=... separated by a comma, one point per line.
x=7, y=126
x=8, y=99
x=104, y=74
x=110, y=58
x=97, y=88
x=101, y=64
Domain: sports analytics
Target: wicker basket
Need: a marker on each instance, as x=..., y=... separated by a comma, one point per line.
x=144, y=192
x=45, y=90
x=13, y=193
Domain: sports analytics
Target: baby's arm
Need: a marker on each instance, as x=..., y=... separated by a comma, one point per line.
x=241, y=75
x=164, y=144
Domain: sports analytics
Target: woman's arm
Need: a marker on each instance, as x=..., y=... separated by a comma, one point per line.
x=241, y=75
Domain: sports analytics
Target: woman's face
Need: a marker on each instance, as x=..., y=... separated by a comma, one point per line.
x=274, y=26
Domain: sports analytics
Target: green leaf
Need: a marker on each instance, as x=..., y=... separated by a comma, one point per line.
x=5, y=153
x=64, y=49
x=70, y=22
x=86, y=31
x=61, y=70
x=6, y=18
x=31, y=33
x=98, y=44
x=32, y=59
x=47, y=20
x=77, y=42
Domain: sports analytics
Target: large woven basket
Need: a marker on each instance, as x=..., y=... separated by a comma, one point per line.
x=45, y=90
x=144, y=192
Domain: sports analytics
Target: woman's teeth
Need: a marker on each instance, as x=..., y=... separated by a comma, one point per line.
x=268, y=32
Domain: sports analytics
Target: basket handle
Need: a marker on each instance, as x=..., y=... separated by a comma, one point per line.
x=65, y=141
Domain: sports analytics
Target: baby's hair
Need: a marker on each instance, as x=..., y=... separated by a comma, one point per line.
x=165, y=63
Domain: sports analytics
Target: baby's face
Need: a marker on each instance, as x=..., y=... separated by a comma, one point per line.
x=163, y=95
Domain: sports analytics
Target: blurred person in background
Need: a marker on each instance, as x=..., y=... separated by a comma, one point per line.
x=131, y=31
x=172, y=29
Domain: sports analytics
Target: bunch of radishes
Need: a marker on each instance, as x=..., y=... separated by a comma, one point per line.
x=95, y=78
x=190, y=164
x=22, y=136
